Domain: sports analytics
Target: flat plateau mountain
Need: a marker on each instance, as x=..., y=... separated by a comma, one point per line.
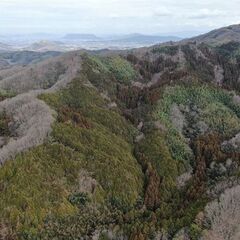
x=136, y=144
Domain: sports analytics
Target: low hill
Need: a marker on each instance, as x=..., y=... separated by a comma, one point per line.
x=44, y=46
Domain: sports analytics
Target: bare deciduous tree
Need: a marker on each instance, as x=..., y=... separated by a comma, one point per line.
x=31, y=124
x=223, y=215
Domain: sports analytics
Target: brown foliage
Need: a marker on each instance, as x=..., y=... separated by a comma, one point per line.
x=153, y=182
x=137, y=236
x=132, y=58
x=207, y=148
x=152, y=96
x=171, y=77
x=68, y=115
x=5, y=120
x=152, y=192
x=129, y=95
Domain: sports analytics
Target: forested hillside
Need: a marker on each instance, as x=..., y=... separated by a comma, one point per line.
x=140, y=144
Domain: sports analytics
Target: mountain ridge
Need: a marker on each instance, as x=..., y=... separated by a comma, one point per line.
x=220, y=36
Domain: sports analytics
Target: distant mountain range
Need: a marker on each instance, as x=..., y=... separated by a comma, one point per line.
x=81, y=37
x=76, y=41
x=146, y=38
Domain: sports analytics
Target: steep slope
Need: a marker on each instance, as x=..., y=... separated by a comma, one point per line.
x=220, y=36
x=161, y=64
x=94, y=145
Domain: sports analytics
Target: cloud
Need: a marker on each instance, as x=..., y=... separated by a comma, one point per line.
x=162, y=12
x=207, y=13
x=116, y=16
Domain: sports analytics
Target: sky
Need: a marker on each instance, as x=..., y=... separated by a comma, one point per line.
x=166, y=17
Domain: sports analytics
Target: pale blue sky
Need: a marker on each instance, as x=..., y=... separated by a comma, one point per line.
x=116, y=16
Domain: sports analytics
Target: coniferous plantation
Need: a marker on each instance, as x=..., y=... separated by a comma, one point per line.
x=135, y=144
